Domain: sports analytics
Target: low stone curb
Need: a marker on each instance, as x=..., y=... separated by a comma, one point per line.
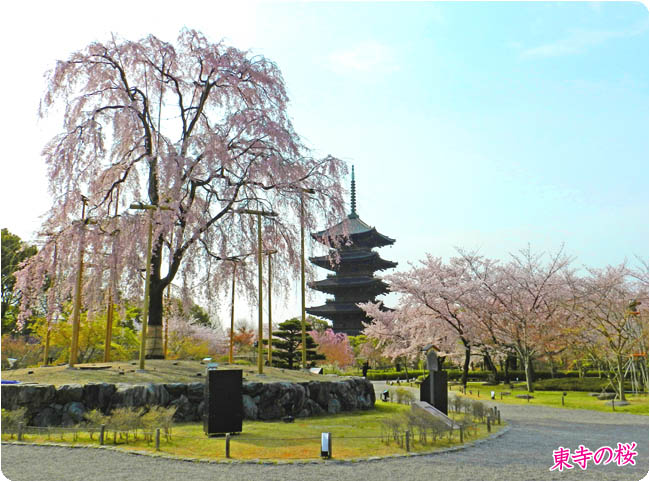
x=269, y=462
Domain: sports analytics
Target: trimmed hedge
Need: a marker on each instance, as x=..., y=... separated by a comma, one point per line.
x=586, y=384
x=393, y=375
x=476, y=375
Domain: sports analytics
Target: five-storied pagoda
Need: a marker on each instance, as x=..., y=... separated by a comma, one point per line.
x=353, y=280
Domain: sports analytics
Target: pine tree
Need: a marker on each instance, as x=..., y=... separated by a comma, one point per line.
x=287, y=346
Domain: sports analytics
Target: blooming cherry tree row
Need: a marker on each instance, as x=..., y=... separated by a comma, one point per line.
x=532, y=304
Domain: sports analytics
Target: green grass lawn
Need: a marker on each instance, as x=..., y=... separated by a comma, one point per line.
x=574, y=399
x=354, y=435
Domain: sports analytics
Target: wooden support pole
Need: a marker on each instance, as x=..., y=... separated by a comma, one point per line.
x=76, y=310
x=408, y=441
x=109, y=327
x=21, y=428
x=270, y=352
x=167, y=304
x=157, y=439
x=260, y=311
x=46, y=350
x=232, y=313
x=227, y=445
x=302, y=283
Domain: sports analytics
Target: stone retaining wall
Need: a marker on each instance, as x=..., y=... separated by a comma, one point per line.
x=48, y=405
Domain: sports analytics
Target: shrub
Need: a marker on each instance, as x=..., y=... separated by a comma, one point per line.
x=417, y=421
x=124, y=420
x=457, y=403
x=585, y=384
x=95, y=418
x=404, y=396
x=466, y=405
x=392, y=428
x=436, y=426
x=11, y=419
x=159, y=417
x=19, y=347
x=478, y=410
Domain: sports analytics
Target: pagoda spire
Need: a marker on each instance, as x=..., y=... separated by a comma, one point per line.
x=353, y=197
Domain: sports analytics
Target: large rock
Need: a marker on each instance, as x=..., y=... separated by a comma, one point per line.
x=156, y=394
x=334, y=406
x=268, y=406
x=292, y=397
x=320, y=392
x=128, y=396
x=252, y=388
x=47, y=405
x=98, y=395
x=9, y=397
x=36, y=396
x=48, y=417
x=195, y=391
x=346, y=395
x=175, y=390
x=69, y=393
x=185, y=410
x=310, y=409
x=250, y=407
x=73, y=413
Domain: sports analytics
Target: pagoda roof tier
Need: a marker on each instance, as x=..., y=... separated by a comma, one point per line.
x=333, y=308
x=338, y=283
x=359, y=232
x=369, y=258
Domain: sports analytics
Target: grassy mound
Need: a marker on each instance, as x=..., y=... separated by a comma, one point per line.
x=156, y=371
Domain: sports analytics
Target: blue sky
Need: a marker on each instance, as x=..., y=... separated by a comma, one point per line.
x=482, y=125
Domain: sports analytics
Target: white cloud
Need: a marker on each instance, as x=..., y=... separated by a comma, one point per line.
x=366, y=57
x=576, y=42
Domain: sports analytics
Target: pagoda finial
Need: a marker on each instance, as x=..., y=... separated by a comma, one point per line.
x=353, y=197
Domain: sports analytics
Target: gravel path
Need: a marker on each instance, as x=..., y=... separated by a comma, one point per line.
x=523, y=453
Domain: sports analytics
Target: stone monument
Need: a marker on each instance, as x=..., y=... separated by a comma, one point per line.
x=434, y=387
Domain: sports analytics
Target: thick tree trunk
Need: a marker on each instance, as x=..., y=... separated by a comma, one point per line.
x=490, y=365
x=468, y=354
x=552, y=366
x=621, y=378
x=154, y=348
x=528, y=362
